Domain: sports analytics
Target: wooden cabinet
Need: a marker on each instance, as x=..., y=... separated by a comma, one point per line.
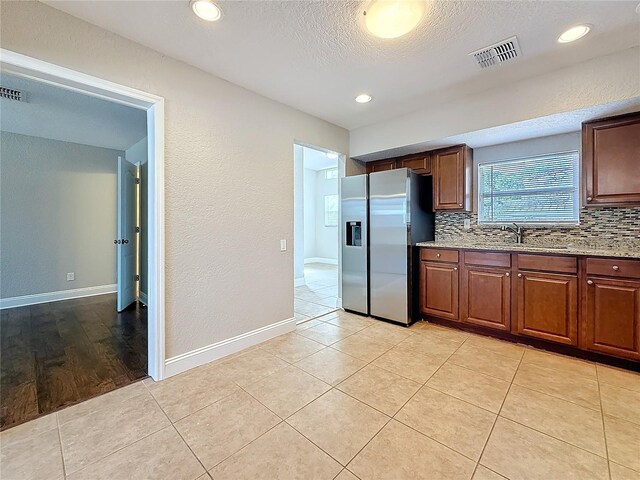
x=381, y=166
x=485, y=290
x=452, y=178
x=439, y=289
x=420, y=164
x=611, y=160
x=547, y=306
x=611, y=317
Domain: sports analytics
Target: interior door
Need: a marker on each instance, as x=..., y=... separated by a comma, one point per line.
x=125, y=243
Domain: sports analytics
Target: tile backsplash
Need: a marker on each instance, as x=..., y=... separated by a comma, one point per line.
x=618, y=227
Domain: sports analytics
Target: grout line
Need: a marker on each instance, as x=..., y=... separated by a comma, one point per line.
x=190, y=449
x=64, y=468
x=498, y=415
x=604, y=427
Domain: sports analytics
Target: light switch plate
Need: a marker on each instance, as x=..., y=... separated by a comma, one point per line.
x=467, y=223
x=71, y=276
x=283, y=245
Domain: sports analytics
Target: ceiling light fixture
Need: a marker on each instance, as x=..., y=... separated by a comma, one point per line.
x=206, y=10
x=393, y=18
x=363, y=98
x=332, y=155
x=574, y=33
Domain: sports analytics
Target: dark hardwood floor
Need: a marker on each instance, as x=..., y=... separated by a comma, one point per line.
x=56, y=354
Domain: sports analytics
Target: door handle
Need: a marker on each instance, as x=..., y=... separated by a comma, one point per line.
x=117, y=242
x=125, y=241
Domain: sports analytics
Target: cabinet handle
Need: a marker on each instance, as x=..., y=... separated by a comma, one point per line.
x=616, y=268
x=519, y=275
x=589, y=199
x=455, y=268
x=589, y=282
x=460, y=204
x=438, y=255
x=507, y=274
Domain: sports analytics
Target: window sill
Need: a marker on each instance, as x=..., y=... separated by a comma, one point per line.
x=529, y=225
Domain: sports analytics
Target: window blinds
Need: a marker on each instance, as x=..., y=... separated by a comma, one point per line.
x=542, y=189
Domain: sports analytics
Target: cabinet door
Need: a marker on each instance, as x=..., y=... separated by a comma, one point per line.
x=611, y=317
x=452, y=181
x=548, y=306
x=381, y=166
x=485, y=297
x=610, y=153
x=439, y=290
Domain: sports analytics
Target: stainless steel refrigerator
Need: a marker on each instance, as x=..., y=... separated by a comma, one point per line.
x=384, y=214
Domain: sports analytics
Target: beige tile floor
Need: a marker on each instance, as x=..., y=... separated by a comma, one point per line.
x=319, y=294
x=347, y=397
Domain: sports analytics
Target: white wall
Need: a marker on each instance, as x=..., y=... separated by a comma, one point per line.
x=320, y=241
x=58, y=215
x=601, y=80
x=310, y=205
x=137, y=153
x=298, y=214
x=326, y=237
x=228, y=175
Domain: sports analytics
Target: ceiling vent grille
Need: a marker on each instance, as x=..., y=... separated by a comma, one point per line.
x=11, y=94
x=497, y=53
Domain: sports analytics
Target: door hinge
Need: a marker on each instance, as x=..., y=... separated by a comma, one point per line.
x=137, y=278
x=137, y=180
x=137, y=229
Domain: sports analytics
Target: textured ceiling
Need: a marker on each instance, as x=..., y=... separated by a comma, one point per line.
x=59, y=114
x=316, y=56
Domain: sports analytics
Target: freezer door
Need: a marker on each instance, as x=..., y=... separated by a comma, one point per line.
x=354, y=243
x=388, y=220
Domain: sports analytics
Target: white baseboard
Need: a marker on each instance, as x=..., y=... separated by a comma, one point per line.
x=56, y=296
x=329, y=261
x=298, y=282
x=144, y=298
x=209, y=353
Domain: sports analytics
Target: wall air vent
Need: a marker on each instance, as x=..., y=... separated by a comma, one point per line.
x=497, y=53
x=11, y=94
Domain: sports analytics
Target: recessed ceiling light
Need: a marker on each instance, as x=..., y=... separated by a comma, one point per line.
x=206, y=10
x=574, y=33
x=393, y=18
x=363, y=98
x=332, y=155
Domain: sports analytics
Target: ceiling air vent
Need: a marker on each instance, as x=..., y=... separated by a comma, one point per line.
x=497, y=53
x=11, y=94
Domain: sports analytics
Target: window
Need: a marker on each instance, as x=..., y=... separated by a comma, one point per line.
x=331, y=210
x=542, y=189
x=331, y=173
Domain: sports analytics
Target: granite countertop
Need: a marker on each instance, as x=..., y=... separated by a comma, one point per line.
x=595, y=251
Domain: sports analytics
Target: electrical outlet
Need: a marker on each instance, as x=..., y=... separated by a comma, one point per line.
x=467, y=223
x=283, y=245
x=71, y=276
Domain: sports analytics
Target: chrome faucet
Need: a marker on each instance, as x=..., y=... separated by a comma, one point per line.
x=517, y=229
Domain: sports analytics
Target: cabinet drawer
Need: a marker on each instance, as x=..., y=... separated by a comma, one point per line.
x=488, y=259
x=613, y=267
x=548, y=263
x=439, y=255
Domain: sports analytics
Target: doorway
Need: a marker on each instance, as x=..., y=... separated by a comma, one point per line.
x=114, y=347
x=316, y=231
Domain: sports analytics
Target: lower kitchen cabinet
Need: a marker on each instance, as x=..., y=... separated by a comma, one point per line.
x=611, y=311
x=485, y=297
x=547, y=306
x=439, y=289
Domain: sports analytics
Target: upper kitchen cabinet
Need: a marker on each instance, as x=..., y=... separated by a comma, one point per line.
x=420, y=164
x=381, y=166
x=611, y=161
x=452, y=168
